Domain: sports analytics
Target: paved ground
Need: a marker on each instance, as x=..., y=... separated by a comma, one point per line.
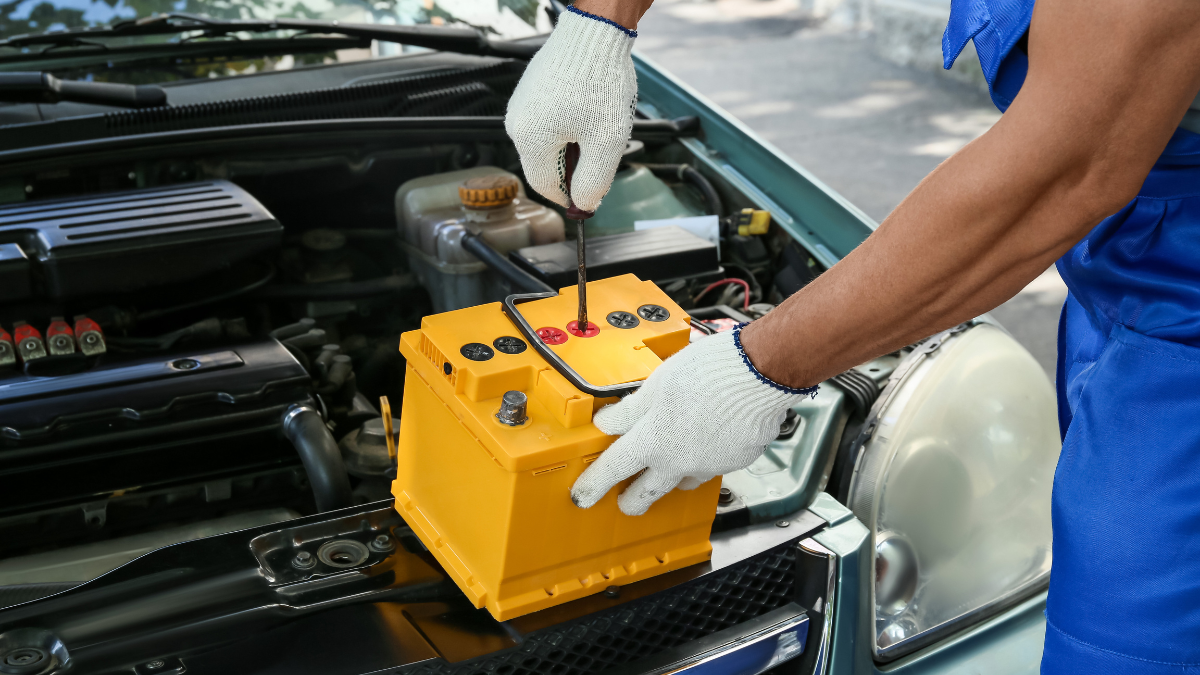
x=817, y=90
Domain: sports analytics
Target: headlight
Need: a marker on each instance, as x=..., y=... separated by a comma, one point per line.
x=954, y=484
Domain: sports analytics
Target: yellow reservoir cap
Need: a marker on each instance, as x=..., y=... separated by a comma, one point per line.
x=492, y=501
x=488, y=192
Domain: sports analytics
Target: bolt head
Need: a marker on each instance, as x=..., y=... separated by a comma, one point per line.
x=383, y=543
x=156, y=664
x=782, y=523
x=304, y=560
x=612, y=592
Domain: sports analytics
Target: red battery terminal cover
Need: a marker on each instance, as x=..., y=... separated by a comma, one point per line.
x=8, y=352
x=60, y=339
x=29, y=341
x=573, y=328
x=89, y=335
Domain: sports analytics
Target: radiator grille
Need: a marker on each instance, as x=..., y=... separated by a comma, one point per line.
x=644, y=627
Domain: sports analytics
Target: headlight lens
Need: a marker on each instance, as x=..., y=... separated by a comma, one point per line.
x=955, y=486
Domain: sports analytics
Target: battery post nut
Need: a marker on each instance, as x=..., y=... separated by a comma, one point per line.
x=512, y=408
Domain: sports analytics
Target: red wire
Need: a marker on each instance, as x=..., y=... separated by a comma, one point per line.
x=746, y=286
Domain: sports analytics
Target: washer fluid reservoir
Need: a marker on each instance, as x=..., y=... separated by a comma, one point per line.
x=636, y=194
x=434, y=212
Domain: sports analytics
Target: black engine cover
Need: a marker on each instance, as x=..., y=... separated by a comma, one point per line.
x=125, y=241
x=145, y=421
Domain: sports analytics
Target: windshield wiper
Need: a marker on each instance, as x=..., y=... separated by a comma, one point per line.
x=442, y=38
x=46, y=88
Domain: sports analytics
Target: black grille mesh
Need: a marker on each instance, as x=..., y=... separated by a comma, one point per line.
x=480, y=91
x=644, y=627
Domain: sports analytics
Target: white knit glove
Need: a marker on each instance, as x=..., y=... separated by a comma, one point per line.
x=703, y=413
x=579, y=88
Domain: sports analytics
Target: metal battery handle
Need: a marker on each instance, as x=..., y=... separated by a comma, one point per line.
x=514, y=315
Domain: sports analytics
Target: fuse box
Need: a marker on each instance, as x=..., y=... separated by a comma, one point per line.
x=488, y=492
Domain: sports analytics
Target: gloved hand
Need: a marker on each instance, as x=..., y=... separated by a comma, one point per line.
x=579, y=88
x=703, y=413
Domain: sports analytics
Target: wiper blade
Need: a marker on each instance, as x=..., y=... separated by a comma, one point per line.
x=52, y=58
x=46, y=88
x=441, y=38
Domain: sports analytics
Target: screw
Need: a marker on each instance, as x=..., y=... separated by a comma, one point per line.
x=653, y=313
x=510, y=345
x=156, y=664
x=304, y=560
x=726, y=496
x=622, y=320
x=612, y=592
x=382, y=542
x=186, y=364
x=782, y=523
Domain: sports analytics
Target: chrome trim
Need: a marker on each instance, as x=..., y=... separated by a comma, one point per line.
x=826, y=609
x=751, y=655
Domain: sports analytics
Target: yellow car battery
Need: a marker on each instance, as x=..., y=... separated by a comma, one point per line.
x=492, y=436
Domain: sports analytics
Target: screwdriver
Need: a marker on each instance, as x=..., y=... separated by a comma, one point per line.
x=578, y=215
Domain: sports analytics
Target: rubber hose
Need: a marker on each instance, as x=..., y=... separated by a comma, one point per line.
x=322, y=459
x=685, y=172
x=522, y=281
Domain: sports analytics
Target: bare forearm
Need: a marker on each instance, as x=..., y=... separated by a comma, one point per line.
x=946, y=254
x=1074, y=147
x=625, y=12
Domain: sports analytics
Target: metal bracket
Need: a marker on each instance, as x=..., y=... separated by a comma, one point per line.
x=514, y=314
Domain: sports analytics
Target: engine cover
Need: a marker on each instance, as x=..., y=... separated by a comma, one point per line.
x=145, y=421
x=125, y=241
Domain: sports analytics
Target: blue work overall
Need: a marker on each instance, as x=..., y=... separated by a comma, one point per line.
x=1125, y=587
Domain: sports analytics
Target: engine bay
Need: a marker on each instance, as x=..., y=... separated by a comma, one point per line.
x=195, y=338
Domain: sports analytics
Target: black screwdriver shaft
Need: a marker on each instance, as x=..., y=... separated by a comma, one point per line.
x=580, y=248
x=570, y=160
